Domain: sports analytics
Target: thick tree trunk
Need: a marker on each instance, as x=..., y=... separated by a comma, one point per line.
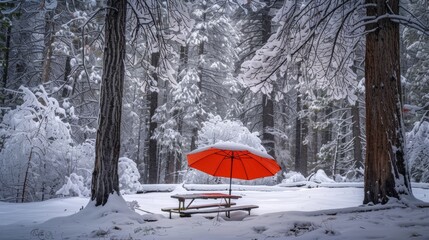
x=153, y=145
x=105, y=174
x=386, y=174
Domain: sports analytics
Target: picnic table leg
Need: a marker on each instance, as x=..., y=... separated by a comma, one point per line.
x=228, y=213
x=188, y=204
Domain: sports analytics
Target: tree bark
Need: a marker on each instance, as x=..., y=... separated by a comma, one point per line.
x=5, y=66
x=267, y=124
x=107, y=146
x=153, y=145
x=67, y=70
x=386, y=173
x=357, y=143
x=48, y=51
x=298, y=141
x=304, y=148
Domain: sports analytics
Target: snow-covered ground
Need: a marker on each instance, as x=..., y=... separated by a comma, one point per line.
x=331, y=212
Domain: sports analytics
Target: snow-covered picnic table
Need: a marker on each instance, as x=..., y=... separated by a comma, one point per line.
x=189, y=209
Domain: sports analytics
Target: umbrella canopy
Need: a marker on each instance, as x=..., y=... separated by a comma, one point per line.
x=233, y=160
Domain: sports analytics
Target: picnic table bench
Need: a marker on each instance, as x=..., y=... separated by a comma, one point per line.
x=178, y=210
x=226, y=210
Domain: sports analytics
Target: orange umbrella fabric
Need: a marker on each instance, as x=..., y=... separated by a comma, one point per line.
x=233, y=160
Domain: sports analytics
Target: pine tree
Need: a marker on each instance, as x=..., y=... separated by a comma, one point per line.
x=386, y=172
x=105, y=175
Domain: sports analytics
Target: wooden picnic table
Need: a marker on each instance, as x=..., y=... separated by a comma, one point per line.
x=189, y=209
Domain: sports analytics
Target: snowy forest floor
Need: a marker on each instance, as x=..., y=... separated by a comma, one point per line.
x=332, y=211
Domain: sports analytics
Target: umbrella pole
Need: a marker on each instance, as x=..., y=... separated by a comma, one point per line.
x=230, y=173
x=230, y=183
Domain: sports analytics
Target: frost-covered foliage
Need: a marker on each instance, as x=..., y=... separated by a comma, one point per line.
x=217, y=130
x=418, y=151
x=292, y=177
x=78, y=182
x=75, y=185
x=77, y=40
x=327, y=64
x=181, y=112
x=416, y=62
x=320, y=177
x=213, y=42
x=353, y=175
x=37, y=147
x=176, y=117
x=128, y=176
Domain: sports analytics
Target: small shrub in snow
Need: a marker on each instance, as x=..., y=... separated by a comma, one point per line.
x=74, y=186
x=36, y=147
x=320, y=177
x=133, y=205
x=128, y=176
x=292, y=177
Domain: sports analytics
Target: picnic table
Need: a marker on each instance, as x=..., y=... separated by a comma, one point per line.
x=186, y=210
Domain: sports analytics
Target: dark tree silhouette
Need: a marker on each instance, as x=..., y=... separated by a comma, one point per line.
x=105, y=174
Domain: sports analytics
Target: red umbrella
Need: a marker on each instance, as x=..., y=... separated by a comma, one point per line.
x=233, y=160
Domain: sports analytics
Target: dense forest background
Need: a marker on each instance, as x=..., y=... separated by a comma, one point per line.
x=196, y=72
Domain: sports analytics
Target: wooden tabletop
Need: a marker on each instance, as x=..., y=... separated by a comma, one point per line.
x=204, y=196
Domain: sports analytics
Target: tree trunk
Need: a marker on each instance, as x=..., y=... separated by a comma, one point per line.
x=304, y=148
x=107, y=146
x=5, y=66
x=267, y=124
x=386, y=173
x=141, y=164
x=67, y=71
x=49, y=40
x=298, y=141
x=26, y=175
x=315, y=142
x=357, y=143
x=153, y=148
x=200, y=85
